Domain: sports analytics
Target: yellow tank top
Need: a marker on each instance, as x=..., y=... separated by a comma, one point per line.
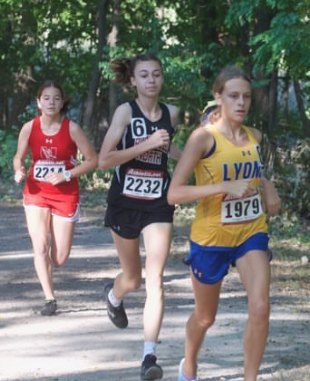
x=222, y=220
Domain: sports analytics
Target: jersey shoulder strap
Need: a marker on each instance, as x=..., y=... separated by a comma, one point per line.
x=136, y=112
x=250, y=134
x=165, y=110
x=36, y=124
x=35, y=129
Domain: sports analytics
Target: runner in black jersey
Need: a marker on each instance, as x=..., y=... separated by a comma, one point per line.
x=142, y=182
x=138, y=144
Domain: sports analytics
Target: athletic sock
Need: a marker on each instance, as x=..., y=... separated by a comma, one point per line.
x=188, y=378
x=149, y=348
x=113, y=300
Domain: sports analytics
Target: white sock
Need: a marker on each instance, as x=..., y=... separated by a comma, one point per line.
x=149, y=348
x=113, y=300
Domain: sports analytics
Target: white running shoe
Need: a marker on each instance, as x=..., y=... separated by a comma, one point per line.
x=180, y=375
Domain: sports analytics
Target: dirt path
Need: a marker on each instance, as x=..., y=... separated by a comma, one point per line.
x=80, y=344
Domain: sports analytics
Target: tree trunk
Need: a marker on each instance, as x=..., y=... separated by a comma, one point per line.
x=95, y=80
x=4, y=110
x=286, y=100
x=20, y=96
x=262, y=94
x=273, y=96
x=112, y=41
x=304, y=120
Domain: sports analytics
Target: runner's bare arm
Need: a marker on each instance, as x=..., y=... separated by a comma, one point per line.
x=175, y=152
x=21, y=152
x=199, y=143
x=89, y=162
x=90, y=158
x=270, y=197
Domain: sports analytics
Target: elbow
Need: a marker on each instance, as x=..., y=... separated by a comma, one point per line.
x=91, y=163
x=103, y=164
x=95, y=163
x=171, y=199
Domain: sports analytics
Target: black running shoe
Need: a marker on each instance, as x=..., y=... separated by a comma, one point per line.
x=149, y=369
x=50, y=308
x=117, y=315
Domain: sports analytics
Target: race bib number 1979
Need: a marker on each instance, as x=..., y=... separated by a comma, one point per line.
x=143, y=184
x=236, y=211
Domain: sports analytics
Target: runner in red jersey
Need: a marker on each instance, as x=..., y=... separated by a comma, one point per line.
x=51, y=194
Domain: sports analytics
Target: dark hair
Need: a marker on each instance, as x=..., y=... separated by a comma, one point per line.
x=226, y=74
x=124, y=67
x=49, y=83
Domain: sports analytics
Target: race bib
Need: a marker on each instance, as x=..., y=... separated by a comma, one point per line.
x=143, y=184
x=42, y=168
x=236, y=211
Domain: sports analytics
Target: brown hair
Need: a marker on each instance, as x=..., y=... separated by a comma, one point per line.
x=124, y=67
x=226, y=74
x=49, y=83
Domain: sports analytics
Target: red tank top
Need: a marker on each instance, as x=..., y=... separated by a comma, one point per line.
x=55, y=153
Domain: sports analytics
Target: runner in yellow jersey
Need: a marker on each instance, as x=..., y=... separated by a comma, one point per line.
x=222, y=219
x=230, y=224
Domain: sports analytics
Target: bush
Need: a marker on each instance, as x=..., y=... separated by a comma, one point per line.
x=292, y=166
x=8, y=143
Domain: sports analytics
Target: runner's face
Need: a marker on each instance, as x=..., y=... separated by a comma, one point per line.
x=148, y=78
x=50, y=101
x=235, y=99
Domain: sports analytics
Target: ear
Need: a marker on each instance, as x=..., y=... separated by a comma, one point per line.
x=132, y=81
x=217, y=97
x=38, y=103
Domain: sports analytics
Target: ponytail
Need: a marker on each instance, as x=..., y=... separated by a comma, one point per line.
x=124, y=68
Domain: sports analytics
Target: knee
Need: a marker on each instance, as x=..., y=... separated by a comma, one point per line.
x=133, y=283
x=58, y=263
x=259, y=311
x=41, y=252
x=60, y=259
x=204, y=322
x=154, y=283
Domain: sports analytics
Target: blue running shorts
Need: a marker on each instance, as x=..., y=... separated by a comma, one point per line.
x=210, y=264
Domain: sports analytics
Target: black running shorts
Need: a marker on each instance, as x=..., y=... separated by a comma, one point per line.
x=128, y=223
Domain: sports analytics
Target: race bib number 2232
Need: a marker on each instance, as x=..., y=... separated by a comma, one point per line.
x=143, y=184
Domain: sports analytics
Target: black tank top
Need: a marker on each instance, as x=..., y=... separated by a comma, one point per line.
x=142, y=183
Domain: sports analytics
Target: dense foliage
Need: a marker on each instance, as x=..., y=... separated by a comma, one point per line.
x=74, y=42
